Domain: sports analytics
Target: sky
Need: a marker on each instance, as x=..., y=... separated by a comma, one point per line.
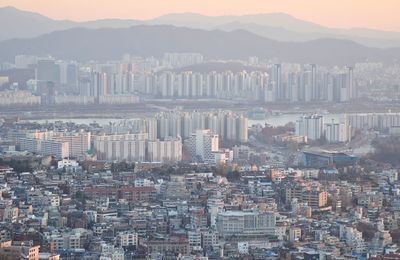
x=375, y=14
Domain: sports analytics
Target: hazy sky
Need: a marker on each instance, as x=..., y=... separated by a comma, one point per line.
x=380, y=14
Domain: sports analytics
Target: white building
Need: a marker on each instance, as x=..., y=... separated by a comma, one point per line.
x=194, y=238
x=78, y=142
x=58, y=144
x=223, y=156
x=137, y=147
x=142, y=182
x=23, y=61
x=377, y=121
x=243, y=247
x=181, y=59
x=127, y=239
x=68, y=240
x=109, y=252
x=54, y=148
x=129, y=147
x=337, y=132
x=246, y=223
x=202, y=144
x=169, y=150
x=294, y=234
x=209, y=239
x=310, y=126
x=226, y=124
x=225, y=85
x=242, y=132
x=67, y=163
x=11, y=98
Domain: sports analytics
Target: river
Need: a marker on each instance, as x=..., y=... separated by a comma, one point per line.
x=274, y=120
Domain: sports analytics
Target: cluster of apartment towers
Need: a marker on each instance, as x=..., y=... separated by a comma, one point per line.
x=304, y=84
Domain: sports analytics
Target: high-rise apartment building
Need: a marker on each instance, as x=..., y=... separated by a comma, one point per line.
x=78, y=142
x=169, y=150
x=202, y=144
x=129, y=147
x=227, y=125
x=137, y=148
x=377, y=121
x=336, y=132
x=53, y=143
x=310, y=126
x=51, y=147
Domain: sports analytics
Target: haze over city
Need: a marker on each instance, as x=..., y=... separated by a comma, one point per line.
x=199, y=130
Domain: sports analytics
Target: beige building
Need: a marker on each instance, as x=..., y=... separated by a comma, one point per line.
x=179, y=245
x=315, y=198
x=126, y=239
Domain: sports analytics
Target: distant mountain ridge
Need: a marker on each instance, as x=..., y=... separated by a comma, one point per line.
x=23, y=24
x=144, y=40
x=277, y=26
x=269, y=19
x=281, y=26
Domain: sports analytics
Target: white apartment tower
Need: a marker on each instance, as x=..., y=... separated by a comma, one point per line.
x=310, y=126
x=337, y=132
x=129, y=147
x=202, y=144
x=169, y=150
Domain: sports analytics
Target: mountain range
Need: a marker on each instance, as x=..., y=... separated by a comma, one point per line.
x=281, y=26
x=24, y=24
x=276, y=26
x=154, y=40
x=227, y=37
